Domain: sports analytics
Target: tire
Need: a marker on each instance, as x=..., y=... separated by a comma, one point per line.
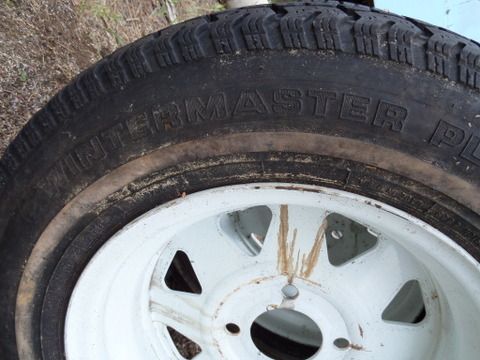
x=324, y=94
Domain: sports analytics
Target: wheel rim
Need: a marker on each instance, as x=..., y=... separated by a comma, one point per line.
x=125, y=306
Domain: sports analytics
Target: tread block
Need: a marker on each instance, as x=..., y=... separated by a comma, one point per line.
x=3, y=177
x=100, y=77
x=164, y=50
x=22, y=146
x=32, y=134
x=223, y=33
x=10, y=160
x=328, y=29
x=115, y=73
x=355, y=7
x=443, y=51
x=469, y=66
x=255, y=33
x=59, y=108
x=78, y=97
x=44, y=122
x=189, y=41
x=137, y=63
x=90, y=85
x=296, y=27
x=370, y=32
x=401, y=38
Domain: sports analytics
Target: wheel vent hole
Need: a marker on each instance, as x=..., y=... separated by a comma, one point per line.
x=180, y=275
x=407, y=306
x=347, y=239
x=248, y=227
x=187, y=348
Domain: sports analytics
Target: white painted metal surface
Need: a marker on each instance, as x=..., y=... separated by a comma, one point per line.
x=121, y=305
x=460, y=16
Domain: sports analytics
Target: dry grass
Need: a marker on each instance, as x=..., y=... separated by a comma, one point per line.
x=45, y=43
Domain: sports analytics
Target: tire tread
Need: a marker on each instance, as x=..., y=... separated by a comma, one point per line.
x=319, y=25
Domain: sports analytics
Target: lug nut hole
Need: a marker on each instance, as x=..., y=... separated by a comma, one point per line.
x=341, y=343
x=232, y=328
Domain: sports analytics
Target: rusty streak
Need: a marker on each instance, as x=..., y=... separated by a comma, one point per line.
x=283, y=240
x=292, y=270
x=357, y=347
x=310, y=261
x=286, y=258
x=289, y=264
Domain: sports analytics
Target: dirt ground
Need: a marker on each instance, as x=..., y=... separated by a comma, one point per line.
x=45, y=43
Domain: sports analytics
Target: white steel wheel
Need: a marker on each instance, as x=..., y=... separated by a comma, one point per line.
x=276, y=271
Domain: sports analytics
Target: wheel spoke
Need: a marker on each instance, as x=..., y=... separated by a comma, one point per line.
x=295, y=241
x=213, y=253
x=178, y=310
x=379, y=274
